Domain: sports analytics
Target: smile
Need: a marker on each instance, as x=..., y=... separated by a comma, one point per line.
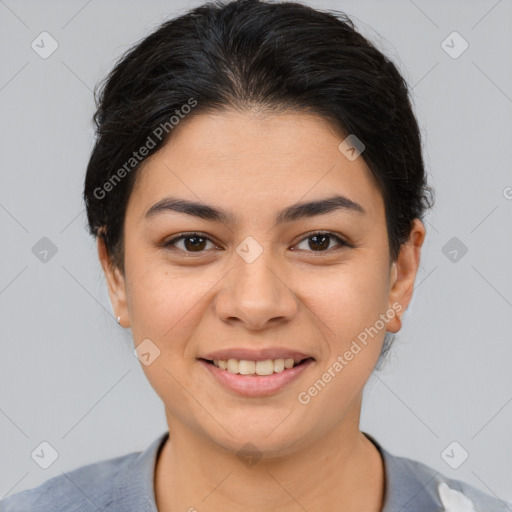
x=255, y=378
x=247, y=367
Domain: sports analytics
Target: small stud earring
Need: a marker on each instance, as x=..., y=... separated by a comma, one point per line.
x=118, y=319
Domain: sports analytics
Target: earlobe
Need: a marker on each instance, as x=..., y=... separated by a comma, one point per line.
x=116, y=284
x=403, y=274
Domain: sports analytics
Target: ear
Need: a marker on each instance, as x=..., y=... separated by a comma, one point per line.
x=116, y=284
x=403, y=274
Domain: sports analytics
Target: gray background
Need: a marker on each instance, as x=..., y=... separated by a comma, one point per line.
x=67, y=372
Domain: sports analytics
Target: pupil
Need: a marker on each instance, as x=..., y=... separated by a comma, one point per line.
x=196, y=244
x=324, y=244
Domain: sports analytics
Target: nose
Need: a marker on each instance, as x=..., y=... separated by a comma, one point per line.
x=256, y=294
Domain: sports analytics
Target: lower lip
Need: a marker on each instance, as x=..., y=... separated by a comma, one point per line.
x=256, y=385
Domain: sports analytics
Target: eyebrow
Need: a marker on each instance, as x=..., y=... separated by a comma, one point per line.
x=291, y=213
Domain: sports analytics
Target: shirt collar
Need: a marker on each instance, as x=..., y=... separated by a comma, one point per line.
x=408, y=485
x=134, y=486
x=405, y=488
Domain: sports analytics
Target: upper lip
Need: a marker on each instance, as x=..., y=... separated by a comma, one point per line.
x=255, y=355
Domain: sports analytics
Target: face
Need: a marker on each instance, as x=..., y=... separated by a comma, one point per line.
x=267, y=270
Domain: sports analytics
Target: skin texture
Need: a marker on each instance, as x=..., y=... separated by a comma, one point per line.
x=313, y=456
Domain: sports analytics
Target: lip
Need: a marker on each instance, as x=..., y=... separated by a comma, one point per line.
x=256, y=355
x=256, y=385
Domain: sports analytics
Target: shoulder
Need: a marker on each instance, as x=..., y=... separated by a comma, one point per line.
x=87, y=488
x=425, y=489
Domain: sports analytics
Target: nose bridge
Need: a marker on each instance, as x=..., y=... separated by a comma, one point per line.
x=254, y=273
x=255, y=292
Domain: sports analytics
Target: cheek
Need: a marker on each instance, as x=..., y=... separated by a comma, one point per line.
x=166, y=306
x=349, y=308
x=164, y=309
x=351, y=299
x=149, y=299
x=156, y=299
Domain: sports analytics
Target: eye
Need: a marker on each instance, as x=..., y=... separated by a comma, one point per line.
x=320, y=241
x=192, y=242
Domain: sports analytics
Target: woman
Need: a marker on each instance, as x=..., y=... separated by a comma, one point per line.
x=257, y=190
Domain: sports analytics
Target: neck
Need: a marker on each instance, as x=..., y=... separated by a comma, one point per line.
x=341, y=470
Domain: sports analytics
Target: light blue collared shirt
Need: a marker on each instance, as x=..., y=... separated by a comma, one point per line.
x=125, y=484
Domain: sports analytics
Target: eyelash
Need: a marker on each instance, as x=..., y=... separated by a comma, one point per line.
x=342, y=243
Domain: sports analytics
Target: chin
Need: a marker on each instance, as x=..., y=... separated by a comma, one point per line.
x=269, y=434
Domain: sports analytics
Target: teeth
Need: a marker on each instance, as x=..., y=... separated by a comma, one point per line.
x=265, y=367
x=232, y=365
x=278, y=365
x=245, y=367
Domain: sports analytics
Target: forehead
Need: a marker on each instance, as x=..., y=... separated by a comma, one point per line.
x=251, y=161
